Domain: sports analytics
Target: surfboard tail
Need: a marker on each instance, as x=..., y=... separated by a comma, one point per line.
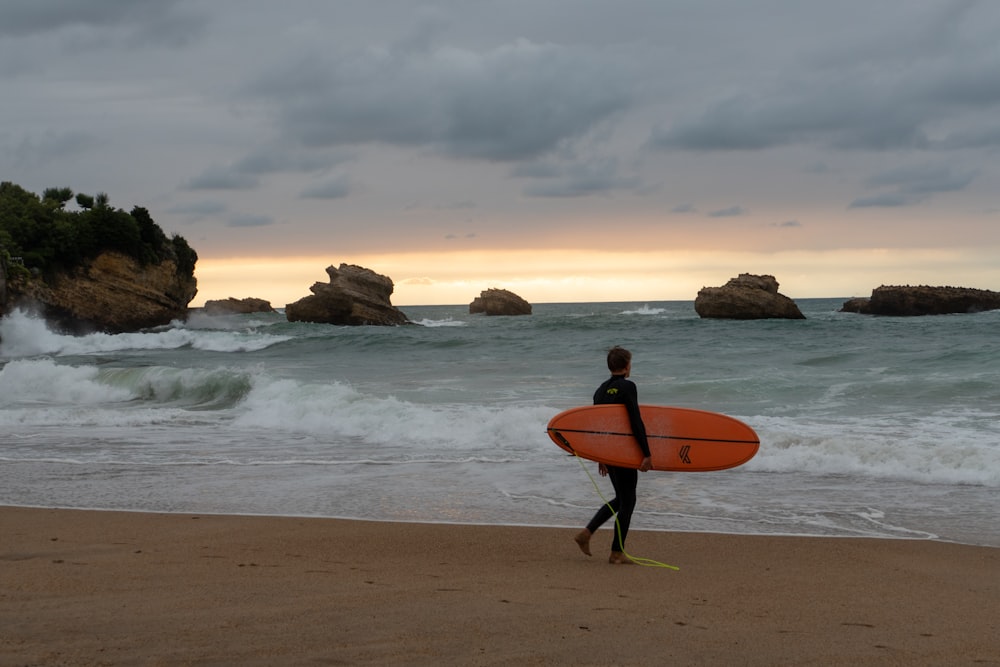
x=561, y=440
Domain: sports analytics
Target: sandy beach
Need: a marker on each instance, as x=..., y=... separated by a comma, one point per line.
x=117, y=588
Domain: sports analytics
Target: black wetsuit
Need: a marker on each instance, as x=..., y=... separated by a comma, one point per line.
x=619, y=389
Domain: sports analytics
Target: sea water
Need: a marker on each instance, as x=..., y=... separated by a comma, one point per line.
x=869, y=426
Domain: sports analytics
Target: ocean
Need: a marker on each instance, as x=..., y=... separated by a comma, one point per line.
x=869, y=426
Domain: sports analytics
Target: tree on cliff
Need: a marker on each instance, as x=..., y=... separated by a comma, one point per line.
x=50, y=239
x=61, y=195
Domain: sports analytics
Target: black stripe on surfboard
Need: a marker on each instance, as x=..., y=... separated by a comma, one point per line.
x=661, y=437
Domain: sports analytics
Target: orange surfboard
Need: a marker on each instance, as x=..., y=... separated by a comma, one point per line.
x=680, y=439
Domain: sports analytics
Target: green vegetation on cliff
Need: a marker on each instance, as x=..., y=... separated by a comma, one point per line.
x=51, y=239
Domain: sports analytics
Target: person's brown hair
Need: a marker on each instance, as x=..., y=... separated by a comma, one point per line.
x=618, y=359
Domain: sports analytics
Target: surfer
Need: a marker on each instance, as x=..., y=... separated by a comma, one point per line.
x=619, y=389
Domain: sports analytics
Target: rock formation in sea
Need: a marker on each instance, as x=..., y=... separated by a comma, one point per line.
x=113, y=293
x=499, y=302
x=904, y=300
x=354, y=296
x=233, y=305
x=746, y=297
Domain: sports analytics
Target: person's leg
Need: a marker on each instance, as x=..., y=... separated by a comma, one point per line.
x=624, y=481
x=603, y=513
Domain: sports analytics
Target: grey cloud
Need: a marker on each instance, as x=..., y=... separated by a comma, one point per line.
x=514, y=102
x=244, y=173
x=788, y=224
x=893, y=93
x=276, y=159
x=536, y=169
x=223, y=178
x=430, y=23
x=817, y=168
x=199, y=209
x=731, y=212
x=32, y=151
x=315, y=90
x=985, y=135
x=846, y=119
x=47, y=15
x=335, y=189
x=889, y=199
x=156, y=21
x=249, y=220
x=923, y=179
x=458, y=206
x=578, y=179
x=913, y=184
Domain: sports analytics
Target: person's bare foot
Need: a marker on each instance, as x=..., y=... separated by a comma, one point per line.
x=618, y=558
x=582, y=540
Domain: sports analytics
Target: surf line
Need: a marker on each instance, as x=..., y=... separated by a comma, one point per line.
x=647, y=562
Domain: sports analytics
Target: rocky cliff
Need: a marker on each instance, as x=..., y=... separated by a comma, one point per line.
x=499, y=302
x=746, y=297
x=354, y=296
x=112, y=293
x=896, y=300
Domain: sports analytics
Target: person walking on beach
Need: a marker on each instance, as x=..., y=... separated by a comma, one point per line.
x=619, y=389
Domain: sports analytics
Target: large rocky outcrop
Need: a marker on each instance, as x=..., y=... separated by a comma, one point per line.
x=922, y=300
x=354, y=296
x=234, y=306
x=746, y=297
x=112, y=293
x=499, y=302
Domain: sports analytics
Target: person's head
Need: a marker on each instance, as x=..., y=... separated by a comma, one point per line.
x=619, y=360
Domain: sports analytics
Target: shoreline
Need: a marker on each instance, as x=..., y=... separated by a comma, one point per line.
x=460, y=524
x=113, y=587
x=429, y=522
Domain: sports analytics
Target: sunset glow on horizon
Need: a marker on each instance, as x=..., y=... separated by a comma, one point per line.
x=555, y=276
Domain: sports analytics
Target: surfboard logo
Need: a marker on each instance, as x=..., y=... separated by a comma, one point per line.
x=685, y=450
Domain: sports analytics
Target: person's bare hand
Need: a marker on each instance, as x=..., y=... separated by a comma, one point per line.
x=603, y=469
x=647, y=464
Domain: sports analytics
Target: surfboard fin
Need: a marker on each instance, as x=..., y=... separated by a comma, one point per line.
x=563, y=441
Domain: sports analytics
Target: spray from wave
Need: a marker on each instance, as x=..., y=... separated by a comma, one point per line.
x=23, y=336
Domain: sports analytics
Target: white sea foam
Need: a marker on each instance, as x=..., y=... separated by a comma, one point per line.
x=449, y=322
x=338, y=411
x=644, y=310
x=43, y=383
x=22, y=335
x=943, y=448
x=932, y=449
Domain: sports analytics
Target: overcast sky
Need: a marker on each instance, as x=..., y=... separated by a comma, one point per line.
x=849, y=135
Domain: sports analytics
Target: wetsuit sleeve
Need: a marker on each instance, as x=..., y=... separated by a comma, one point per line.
x=631, y=401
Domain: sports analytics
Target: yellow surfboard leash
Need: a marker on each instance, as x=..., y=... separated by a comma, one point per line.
x=647, y=562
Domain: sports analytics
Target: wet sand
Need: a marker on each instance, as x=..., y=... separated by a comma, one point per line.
x=118, y=588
